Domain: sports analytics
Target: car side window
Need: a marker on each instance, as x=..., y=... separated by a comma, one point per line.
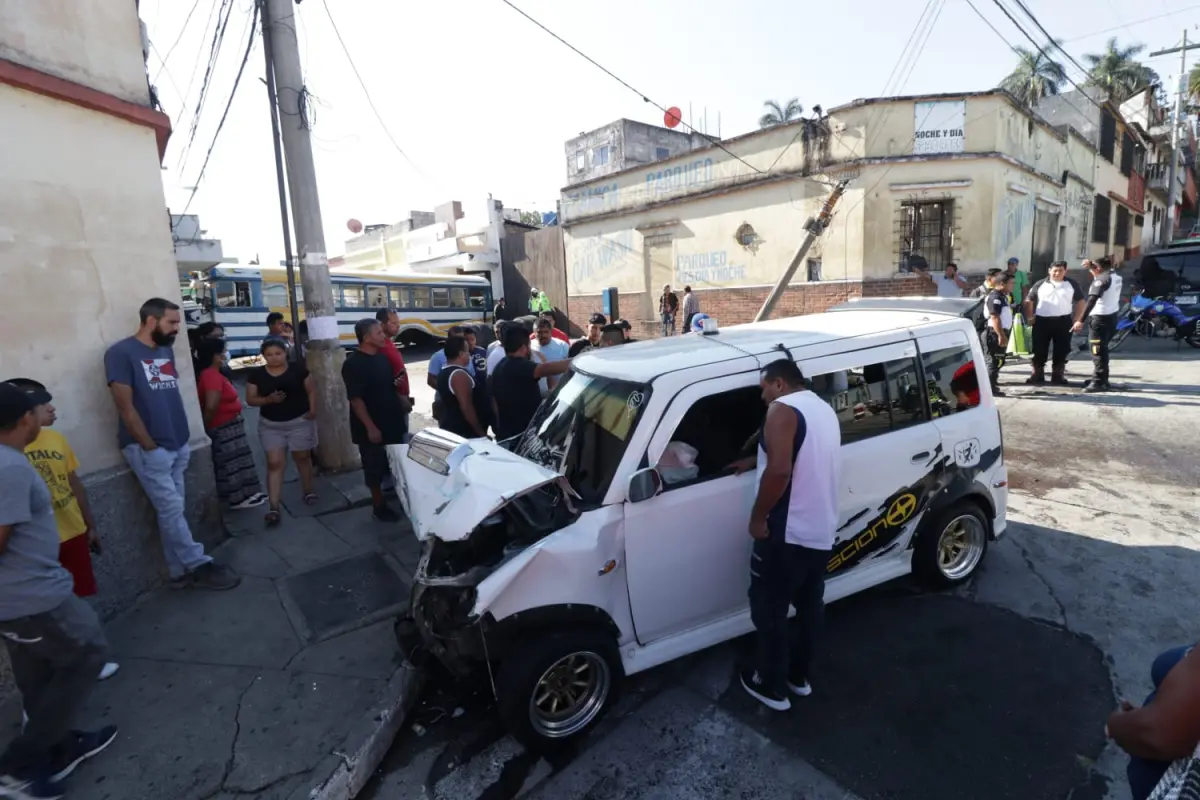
x=716, y=431
x=873, y=399
x=951, y=379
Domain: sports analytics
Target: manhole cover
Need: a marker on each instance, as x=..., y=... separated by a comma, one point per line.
x=346, y=594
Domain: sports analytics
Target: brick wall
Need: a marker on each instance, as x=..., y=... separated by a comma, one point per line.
x=736, y=306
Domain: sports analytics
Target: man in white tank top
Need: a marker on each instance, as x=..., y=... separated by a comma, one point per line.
x=793, y=521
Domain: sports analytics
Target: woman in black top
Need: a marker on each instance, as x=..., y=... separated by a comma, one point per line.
x=284, y=392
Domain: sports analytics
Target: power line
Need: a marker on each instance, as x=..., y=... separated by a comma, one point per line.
x=367, y=94
x=624, y=83
x=228, y=103
x=1128, y=25
x=179, y=38
x=1043, y=52
x=224, y=12
x=1050, y=39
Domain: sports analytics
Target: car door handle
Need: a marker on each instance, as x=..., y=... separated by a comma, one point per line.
x=921, y=456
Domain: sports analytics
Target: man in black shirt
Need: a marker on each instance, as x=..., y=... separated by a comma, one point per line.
x=514, y=384
x=377, y=416
x=596, y=323
x=998, y=322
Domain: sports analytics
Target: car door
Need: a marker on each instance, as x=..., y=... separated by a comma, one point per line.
x=687, y=549
x=889, y=447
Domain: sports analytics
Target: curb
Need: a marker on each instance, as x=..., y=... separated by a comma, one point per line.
x=350, y=769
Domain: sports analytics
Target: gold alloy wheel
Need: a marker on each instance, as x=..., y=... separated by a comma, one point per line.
x=569, y=695
x=961, y=546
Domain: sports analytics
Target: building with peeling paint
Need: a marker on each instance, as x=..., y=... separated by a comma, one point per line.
x=967, y=178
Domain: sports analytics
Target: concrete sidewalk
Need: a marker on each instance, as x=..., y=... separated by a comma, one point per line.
x=289, y=686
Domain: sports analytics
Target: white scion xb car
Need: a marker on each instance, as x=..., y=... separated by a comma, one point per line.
x=612, y=537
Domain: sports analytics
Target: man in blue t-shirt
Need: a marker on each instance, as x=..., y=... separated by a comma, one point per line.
x=153, y=435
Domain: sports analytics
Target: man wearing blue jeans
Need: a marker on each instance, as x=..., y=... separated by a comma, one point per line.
x=153, y=435
x=792, y=523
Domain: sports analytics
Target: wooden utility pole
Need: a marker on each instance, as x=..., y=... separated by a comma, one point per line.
x=335, y=452
x=1176, y=123
x=813, y=228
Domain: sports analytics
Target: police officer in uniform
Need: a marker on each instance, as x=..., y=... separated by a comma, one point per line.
x=1103, y=302
x=1054, y=304
x=998, y=319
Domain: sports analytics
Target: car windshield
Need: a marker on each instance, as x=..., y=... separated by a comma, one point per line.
x=582, y=429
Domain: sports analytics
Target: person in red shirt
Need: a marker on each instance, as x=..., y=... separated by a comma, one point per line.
x=554, y=331
x=389, y=320
x=233, y=461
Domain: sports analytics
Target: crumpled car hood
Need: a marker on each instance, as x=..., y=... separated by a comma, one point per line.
x=448, y=485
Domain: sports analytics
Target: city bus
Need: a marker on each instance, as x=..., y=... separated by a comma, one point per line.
x=239, y=299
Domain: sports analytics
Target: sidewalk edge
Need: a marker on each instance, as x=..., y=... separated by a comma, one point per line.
x=367, y=744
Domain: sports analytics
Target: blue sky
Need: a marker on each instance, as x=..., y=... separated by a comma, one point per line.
x=482, y=101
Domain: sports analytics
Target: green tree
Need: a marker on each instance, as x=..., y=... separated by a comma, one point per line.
x=778, y=115
x=1118, y=72
x=1035, y=76
x=532, y=218
x=1194, y=83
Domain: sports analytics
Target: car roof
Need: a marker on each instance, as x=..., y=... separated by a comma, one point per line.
x=952, y=306
x=642, y=361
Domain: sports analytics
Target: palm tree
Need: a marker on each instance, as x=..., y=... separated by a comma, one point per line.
x=779, y=115
x=1194, y=83
x=1117, y=72
x=1035, y=76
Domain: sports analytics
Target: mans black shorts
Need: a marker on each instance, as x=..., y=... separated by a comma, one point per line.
x=374, y=464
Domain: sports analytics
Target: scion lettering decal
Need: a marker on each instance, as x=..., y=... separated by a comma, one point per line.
x=946, y=480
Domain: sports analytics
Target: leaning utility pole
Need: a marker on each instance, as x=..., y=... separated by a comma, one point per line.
x=1177, y=121
x=814, y=228
x=334, y=449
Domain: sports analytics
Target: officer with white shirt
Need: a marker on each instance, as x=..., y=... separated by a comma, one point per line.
x=1103, y=302
x=1054, y=304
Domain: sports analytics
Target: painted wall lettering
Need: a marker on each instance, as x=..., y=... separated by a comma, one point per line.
x=712, y=267
x=680, y=177
x=594, y=258
x=591, y=200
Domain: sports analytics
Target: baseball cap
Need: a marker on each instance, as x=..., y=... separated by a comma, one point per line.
x=37, y=392
x=624, y=323
x=1014, y=260
x=14, y=404
x=1059, y=263
x=597, y=319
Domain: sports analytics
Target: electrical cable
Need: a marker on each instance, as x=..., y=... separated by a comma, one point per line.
x=1127, y=26
x=1050, y=39
x=228, y=103
x=214, y=52
x=716, y=142
x=367, y=94
x=179, y=38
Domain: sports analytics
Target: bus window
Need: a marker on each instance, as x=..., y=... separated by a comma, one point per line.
x=441, y=297
x=477, y=298
x=458, y=298
x=233, y=294
x=398, y=299
x=352, y=296
x=420, y=296
x=275, y=295
x=377, y=297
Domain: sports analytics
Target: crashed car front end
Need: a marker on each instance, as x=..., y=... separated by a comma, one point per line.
x=476, y=507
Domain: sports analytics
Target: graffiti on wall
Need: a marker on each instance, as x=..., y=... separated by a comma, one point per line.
x=598, y=261
x=1015, y=221
x=713, y=267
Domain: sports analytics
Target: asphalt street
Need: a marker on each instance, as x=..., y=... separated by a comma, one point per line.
x=996, y=690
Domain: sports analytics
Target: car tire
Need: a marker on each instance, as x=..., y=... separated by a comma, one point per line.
x=951, y=545
x=538, y=671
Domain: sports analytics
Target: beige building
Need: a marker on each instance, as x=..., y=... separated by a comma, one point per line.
x=85, y=238
x=968, y=178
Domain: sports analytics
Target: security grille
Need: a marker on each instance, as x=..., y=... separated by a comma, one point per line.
x=926, y=235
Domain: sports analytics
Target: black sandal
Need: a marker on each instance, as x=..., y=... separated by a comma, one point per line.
x=273, y=518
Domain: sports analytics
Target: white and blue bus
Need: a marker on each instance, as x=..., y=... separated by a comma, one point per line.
x=239, y=299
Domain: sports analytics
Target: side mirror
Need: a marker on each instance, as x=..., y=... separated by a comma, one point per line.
x=644, y=484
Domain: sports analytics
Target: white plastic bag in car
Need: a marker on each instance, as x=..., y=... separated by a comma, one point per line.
x=678, y=463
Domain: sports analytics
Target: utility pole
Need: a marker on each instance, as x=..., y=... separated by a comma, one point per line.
x=280, y=179
x=813, y=228
x=1177, y=121
x=334, y=450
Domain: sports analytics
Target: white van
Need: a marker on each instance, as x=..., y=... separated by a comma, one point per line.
x=573, y=560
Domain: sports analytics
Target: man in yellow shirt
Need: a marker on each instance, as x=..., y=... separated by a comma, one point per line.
x=51, y=455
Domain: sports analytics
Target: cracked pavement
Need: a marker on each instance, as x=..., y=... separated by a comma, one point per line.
x=998, y=689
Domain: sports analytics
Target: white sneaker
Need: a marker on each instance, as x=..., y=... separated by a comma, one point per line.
x=803, y=690
x=109, y=670
x=249, y=502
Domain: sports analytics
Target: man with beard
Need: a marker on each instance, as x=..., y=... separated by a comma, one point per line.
x=153, y=435
x=596, y=324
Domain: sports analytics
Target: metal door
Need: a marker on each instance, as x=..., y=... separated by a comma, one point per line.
x=1045, y=235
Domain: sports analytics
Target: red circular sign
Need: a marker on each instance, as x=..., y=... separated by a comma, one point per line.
x=673, y=116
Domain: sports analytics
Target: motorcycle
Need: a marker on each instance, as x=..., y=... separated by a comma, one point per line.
x=1144, y=316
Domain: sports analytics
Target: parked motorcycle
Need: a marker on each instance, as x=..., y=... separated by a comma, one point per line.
x=1145, y=316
